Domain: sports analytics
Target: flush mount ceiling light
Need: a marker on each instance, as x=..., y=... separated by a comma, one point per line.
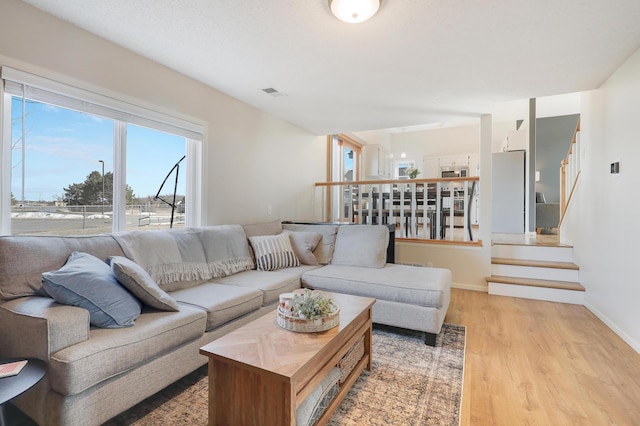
x=354, y=11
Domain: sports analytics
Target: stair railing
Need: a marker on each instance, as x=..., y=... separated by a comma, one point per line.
x=570, y=173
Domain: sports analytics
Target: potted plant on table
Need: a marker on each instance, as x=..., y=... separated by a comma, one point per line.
x=412, y=172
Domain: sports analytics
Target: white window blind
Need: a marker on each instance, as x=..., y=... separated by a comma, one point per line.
x=31, y=86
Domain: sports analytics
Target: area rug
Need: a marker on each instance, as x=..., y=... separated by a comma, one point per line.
x=410, y=384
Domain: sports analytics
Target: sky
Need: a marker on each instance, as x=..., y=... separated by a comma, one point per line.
x=64, y=146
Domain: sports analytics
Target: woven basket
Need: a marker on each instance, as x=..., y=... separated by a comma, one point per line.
x=303, y=325
x=351, y=358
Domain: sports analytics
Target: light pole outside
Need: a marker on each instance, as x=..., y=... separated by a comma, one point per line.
x=102, y=161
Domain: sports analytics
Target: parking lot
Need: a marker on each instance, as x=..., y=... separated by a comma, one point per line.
x=57, y=223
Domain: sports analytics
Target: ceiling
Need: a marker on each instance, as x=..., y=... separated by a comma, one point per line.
x=416, y=62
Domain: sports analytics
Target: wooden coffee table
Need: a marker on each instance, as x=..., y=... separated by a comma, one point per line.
x=260, y=373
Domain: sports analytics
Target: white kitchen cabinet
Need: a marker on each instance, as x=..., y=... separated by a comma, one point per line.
x=431, y=167
x=474, y=165
x=458, y=160
x=433, y=164
x=378, y=162
x=446, y=160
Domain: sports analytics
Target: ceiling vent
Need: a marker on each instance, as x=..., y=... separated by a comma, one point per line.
x=273, y=92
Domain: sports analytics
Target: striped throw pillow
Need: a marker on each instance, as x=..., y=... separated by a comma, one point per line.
x=273, y=252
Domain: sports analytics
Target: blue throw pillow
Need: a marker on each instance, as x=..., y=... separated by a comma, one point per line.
x=87, y=282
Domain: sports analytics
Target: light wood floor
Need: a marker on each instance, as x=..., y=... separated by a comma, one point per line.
x=524, y=239
x=530, y=362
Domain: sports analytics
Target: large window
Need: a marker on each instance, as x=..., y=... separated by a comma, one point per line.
x=71, y=166
x=56, y=181
x=154, y=160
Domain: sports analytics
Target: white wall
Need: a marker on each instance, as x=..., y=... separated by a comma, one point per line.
x=258, y=163
x=444, y=141
x=602, y=221
x=500, y=132
x=469, y=265
x=252, y=160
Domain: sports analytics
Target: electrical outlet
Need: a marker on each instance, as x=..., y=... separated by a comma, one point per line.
x=269, y=209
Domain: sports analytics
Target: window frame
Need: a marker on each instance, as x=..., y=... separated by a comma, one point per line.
x=346, y=143
x=114, y=107
x=338, y=143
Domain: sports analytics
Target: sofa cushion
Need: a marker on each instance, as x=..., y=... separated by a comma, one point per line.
x=361, y=245
x=265, y=228
x=304, y=243
x=109, y=352
x=222, y=303
x=271, y=283
x=137, y=281
x=324, y=251
x=87, y=282
x=412, y=285
x=174, y=258
x=23, y=259
x=273, y=252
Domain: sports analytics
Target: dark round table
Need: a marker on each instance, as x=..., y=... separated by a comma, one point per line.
x=11, y=387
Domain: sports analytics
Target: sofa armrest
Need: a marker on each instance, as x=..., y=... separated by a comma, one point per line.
x=36, y=327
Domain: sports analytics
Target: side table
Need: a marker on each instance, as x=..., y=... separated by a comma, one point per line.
x=11, y=387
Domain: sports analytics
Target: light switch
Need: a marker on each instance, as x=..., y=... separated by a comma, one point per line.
x=615, y=168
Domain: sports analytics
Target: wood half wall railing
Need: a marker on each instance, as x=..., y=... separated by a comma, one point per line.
x=569, y=173
x=421, y=209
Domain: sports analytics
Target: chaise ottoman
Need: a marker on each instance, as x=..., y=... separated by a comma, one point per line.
x=412, y=297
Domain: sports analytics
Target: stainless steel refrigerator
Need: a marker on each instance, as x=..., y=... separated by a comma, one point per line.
x=508, y=188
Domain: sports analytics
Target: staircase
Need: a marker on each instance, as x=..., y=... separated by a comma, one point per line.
x=535, y=272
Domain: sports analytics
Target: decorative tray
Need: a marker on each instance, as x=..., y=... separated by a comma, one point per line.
x=304, y=325
x=293, y=303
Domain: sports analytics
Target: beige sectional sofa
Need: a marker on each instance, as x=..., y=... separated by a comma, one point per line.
x=189, y=287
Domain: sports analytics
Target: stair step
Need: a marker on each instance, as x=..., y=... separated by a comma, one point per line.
x=534, y=263
x=530, y=282
x=538, y=252
x=535, y=272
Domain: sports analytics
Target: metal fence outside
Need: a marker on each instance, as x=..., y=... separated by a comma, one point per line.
x=89, y=219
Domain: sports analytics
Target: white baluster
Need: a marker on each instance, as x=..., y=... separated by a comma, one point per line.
x=465, y=193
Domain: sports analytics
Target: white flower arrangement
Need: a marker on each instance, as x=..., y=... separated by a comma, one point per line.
x=312, y=305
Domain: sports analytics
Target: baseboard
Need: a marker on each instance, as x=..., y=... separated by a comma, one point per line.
x=624, y=336
x=473, y=287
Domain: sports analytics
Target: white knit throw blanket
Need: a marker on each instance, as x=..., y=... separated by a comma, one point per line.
x=178, y=258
